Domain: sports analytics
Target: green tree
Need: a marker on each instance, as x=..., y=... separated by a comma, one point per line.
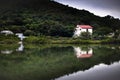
x=85, y=35
x=29, y=33
x=51, y=28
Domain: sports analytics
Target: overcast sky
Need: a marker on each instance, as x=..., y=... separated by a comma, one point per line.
x=98, y=7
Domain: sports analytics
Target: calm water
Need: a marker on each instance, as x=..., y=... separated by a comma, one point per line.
x=59, y=62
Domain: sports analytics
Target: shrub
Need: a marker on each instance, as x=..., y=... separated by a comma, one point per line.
x=29, y=33
x=85, y=35
x=34, y=39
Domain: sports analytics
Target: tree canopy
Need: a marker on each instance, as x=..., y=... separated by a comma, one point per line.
x=47, y=17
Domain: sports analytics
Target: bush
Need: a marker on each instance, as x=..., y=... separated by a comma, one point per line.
x=29, y=33
x=34, y=39
x=85, y=35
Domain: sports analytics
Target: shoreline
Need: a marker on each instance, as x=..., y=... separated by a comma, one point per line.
x=71, y=41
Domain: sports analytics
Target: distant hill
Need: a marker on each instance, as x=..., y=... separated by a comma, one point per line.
x=47, y=17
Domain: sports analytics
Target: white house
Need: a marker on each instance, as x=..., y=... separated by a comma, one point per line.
x=83, y=53
x=21, y=36
x=82, y=28
x=6, y=32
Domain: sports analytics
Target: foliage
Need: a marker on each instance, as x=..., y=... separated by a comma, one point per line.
x=9, y=39
x=47, y=17
x=38, y=40
x=29, y=32
x=117, y=34
x=85, y=35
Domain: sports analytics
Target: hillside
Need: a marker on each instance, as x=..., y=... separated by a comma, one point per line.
x=47, y=17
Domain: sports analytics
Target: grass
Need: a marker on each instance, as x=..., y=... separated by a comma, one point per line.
x=55, y=40
x=65, y=40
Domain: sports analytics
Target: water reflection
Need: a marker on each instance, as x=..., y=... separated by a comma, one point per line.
x=21, y=47
x=46, y=62
x=10, y=51
x=6, y=51
x=85, y=52
x=98, y=72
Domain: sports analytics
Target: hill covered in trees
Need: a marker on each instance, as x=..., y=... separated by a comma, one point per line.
x=49, y=18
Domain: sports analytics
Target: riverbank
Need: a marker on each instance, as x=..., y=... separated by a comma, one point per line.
x=65, y=40
x=55, y=40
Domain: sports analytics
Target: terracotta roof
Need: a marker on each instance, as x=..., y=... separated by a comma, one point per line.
x=85, y=26
x=85, y=56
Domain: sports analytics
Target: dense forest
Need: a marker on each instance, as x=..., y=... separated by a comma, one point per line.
x=50, y=18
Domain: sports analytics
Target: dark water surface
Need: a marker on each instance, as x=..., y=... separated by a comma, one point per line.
x=59, y=62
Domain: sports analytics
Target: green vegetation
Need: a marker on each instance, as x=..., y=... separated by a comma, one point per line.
x=49, y=18
x=67, y=40
x=12, y=39
x=37, y=40
x=85, y=36
x=9, y=39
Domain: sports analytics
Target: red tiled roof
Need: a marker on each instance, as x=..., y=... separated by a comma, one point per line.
x=85, y=56
x=85, y=26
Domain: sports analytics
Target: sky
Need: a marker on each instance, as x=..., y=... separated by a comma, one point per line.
x=98, y=7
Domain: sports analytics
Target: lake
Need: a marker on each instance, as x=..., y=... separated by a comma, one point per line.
x=59, y=62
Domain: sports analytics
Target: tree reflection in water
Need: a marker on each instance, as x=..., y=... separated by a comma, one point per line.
x=10, y=51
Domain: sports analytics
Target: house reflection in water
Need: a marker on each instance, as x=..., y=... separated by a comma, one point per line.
x=21, y=47
x=83, y=53
x=6, y=51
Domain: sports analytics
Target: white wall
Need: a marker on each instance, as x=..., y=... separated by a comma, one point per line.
x=90, y=30
x=83, y=30
x=78, y=31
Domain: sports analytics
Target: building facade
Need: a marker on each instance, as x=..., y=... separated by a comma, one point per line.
x=82, y=28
